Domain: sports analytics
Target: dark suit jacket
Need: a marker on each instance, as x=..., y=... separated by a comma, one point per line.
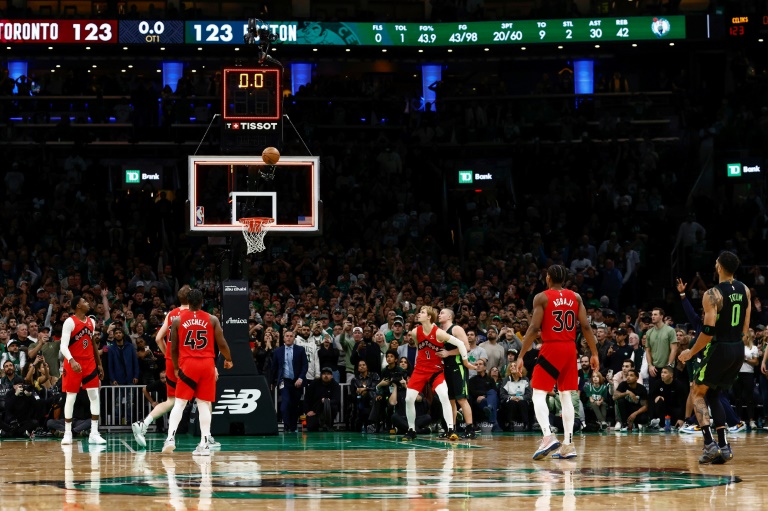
x=299, y=363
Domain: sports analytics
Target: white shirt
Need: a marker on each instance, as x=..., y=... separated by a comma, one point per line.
x=749, y=354
x=313, y=361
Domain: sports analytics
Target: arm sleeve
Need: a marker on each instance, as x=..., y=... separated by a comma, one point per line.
x=460, y=345
x=66, y=332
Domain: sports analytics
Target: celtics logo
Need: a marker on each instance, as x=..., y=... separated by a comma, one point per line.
x=313, y=32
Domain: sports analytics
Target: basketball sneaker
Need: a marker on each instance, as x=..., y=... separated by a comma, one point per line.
x=96, y=438
x=547, y=445
x=67, y=439
x=469, y=433
x=409, y=435
x=565, y=452
x=139, y=430
x=726, y=455
x=443, y=435
x=690, y=429
x=213, y=444
x=738, y=428
x=710, y=454
x=202, y=449
x=169, y=446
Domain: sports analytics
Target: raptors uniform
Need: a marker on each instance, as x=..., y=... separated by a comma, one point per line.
x=197, y=369
x=557, y=357
x=429, y=367
x=81, y=349
x=170, y=375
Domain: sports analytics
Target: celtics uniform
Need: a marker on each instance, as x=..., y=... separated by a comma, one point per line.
x=455, y=375
x=724, y=355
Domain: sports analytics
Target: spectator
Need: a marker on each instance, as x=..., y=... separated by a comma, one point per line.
x=660, y=345
x=632, y=401
x=13, y=355
x=123, y=361
x=515, y=400
x=668, y=397
x=744, y=389
x=322, y=401
x=289, y=363
x=364, y=387
x=483, y=395
x=596, y=395
x=475, y=353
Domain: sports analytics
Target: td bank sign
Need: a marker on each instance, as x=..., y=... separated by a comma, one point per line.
x=468, y=177
x=137, y=177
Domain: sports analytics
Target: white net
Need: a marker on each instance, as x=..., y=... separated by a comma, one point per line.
x=254, y=230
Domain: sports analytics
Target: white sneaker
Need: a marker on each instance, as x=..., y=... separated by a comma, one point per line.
x=617, y=426
x=96, y=438
x=202, y=449
x=752, y=425
x=139, y=430
x=67, y=440
x=169, y=446
x=655, y=423
x=213, y=443
x=738, y=428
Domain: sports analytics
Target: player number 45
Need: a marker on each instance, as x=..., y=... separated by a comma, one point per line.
x=198, y=342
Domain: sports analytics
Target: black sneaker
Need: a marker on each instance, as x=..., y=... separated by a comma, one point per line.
x=469, y=433
x=443, y=435
x=409, y=435
x=710, y=454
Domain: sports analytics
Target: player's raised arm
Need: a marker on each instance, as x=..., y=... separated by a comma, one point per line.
x=539, y=303
x=586, y=330
x=66, y=334
x=221, y=342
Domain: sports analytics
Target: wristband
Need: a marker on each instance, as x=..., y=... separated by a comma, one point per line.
x=708, y=330
x=682, y=295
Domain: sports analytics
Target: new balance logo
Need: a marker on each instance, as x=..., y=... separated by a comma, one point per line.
x=241, y=403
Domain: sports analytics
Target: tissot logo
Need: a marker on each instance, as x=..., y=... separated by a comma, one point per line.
x=232, y=289
x=236, y=320
x=252, y=125
x=241, y=403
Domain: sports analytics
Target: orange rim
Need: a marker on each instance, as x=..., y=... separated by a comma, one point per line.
x=255, y=223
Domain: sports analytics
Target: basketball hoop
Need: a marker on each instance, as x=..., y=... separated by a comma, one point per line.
x=254, y=229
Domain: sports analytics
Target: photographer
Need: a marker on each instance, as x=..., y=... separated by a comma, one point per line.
x=49, y=350
x=20, y=411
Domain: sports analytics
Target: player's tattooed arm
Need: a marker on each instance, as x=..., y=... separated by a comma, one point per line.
x=715, y=298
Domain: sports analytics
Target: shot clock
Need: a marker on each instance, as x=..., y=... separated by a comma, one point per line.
x=251, y=108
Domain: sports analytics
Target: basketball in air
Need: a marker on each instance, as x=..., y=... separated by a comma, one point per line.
x=270, y=155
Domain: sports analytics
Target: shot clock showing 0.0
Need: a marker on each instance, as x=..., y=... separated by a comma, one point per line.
x=251, y=94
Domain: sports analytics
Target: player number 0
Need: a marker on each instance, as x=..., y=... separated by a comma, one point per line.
x=735, y=314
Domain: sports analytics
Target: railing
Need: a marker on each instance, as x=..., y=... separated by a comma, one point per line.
x=124, y=404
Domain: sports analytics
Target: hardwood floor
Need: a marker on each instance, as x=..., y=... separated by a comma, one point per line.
x=646, y=471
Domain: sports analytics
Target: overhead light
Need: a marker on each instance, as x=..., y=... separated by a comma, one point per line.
x=53, y=70
x=597, y=46
x=671, y=44
x=50, y=48
x=634, y=45
x=200, y=49
x=58, y=65
x=87, y=47
x=162, y=48
x=486, y=49
x=237, y=49
x=314, y=49
x=421, y=51
x=194, y=70
x=159, y=70
x=759, y=40
x=93, y=66
x=383, y=50
x=450, y=50
x=559, y=47
x=7, y=47
x=122, y=70
x=347, y=49
x=130, y=66
x=125, y=47
x=522, y=48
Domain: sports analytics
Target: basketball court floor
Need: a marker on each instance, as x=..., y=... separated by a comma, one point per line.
x=351, y=471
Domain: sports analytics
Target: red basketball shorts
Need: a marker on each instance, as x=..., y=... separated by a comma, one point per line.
x=556, y=365
x=197, y=378
x=420, y=379
x=170, y=376
x=87, y=378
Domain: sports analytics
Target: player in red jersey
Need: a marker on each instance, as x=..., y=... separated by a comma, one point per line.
x=163, y=339
x=195, y=368
x=429, y=369
x=555, y=312
x=82, y=368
